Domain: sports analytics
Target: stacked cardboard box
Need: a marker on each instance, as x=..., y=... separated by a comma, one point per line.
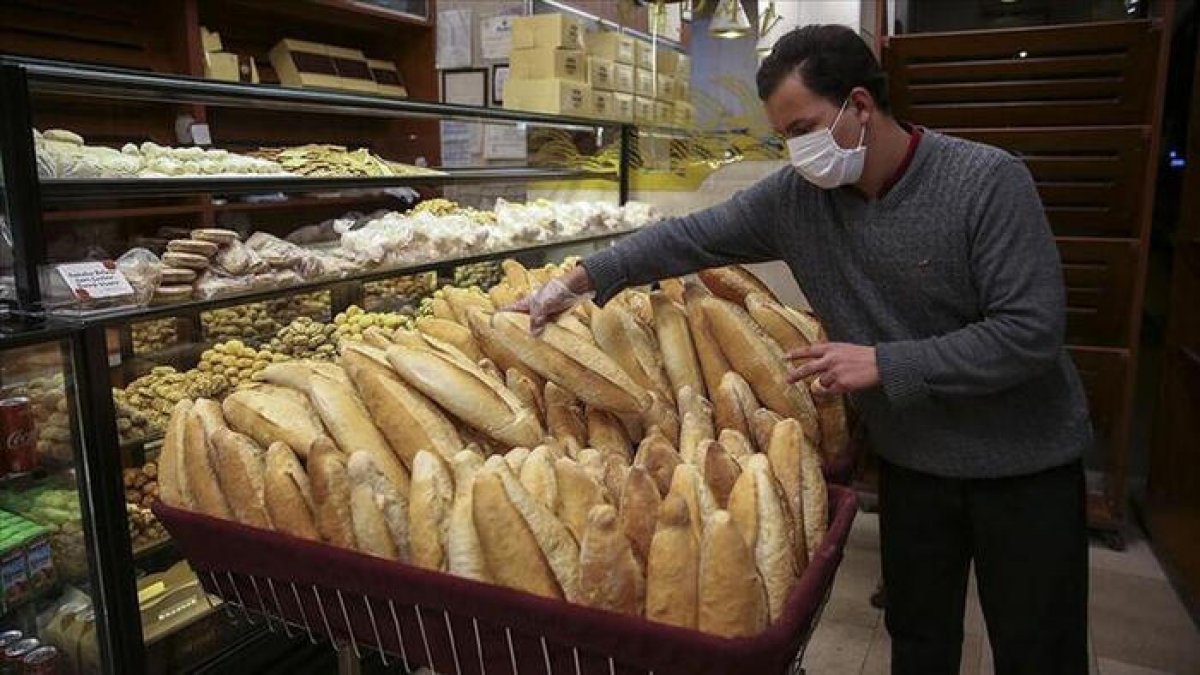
x=223, y=65
x=548, y=68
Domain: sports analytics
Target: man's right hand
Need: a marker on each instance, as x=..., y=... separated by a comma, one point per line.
x=556, y=297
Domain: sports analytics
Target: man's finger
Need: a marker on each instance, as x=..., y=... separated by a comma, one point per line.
x=809, y=352
x=521, y=305
x=537, y=323
x=810, y=368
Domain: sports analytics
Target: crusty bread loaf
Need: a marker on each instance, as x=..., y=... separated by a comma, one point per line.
x=429, y=501
x=374, y=336
x=762, y=424
x=733, y=601
x=515, y=459
x=656, y=455
x=606, y=433
x=172, y=478
x=808, y=324
x=406, y=337
x=786, y=451
x=661, y=415
x=468, y=393
x=456, y=334
x=816, y=499
x=616, y=471
x=509, y=547
x=565, y=418
x=733, y=283
x=287, y=493
x=528, y=391
x=464, y=553
x=271, y=413
x=463, y=301
x=673, y=288
x=578, y=493
x=494, y=346
x=734, y=403
x=760, y=362
x=392, y=504
x=639, y=505
x=201, y=478
x=486, y=365
x=610, y=577
x=689, y=485
x=239, y=464
x=696, y=422
x=736, y=444
x=675, y=342
x=370, y=529
x=776, y=321
x=831, y=415
x=331, y=493
x=713, y=364
x=673, y=569
x=407, y=418
x=538, y=477
x=594, y=464
x=758, y=509
x=720, y=471
x=345, y=416
x=575, y=364
x=634, y=347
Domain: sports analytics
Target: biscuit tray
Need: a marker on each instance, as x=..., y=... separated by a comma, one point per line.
x=419, y=617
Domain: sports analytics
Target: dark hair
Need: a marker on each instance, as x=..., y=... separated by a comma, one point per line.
x=830, y=60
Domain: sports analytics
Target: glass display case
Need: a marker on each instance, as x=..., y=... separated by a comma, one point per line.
x=179, y=270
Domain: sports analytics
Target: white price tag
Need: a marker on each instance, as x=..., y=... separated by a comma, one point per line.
x=94, y=280
x=201, y=135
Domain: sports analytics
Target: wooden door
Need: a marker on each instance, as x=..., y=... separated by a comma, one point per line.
x=1173, y=490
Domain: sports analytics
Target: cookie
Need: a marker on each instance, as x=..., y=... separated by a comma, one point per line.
x=191, y=261
x=167, y=294
x=197, y=246
x=216, y=235
x=176, y=275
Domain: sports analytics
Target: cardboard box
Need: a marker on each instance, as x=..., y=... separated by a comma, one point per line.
x=645, y=55
x=221, y=66
x=551, y=95
x=643, y=109
x=603, y=104
x=622, y=106
x=613, y=46
x=623, y=78
x=644, y=83
x=685, y=115
x=352, y=69
x=664, y=112
x=304, y=64
x=210, y=40
x=547, y=30
x=666, y=60
x=543, y=63
x=664, y=87
x=387, y=78
x=600, y=74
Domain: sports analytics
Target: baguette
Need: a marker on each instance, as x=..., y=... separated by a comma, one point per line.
x=575, y=364
x=172, y=478
x=713, y=364
x=595, y=465
x=494, y=346
x=673, y=568
x=392, y=504
x=673, y=288
x=675, y=341
x=696, y=425
x=689, y=485
x=640, y=500
x=370, y=529
x=762, y=424
x=610, y=577
x=455, y=334
x=468, y=393
x=831, y=416
x=238, y=462
x=578, y=493
x=463, y=301
x=407, y=418
x=406, y=337
x=734, y=403
x=661, y=415
x=343, y=412
x=565, y=419
x=762, y=516
x=527, y=391
x=633, y=347
x=756, y=359
x=464, y=553
x=287, y=494
x=515, y=459
x=736, y=444
x=429, y=500
x=733, y=601
x=331, y=494
x=374, y=336
x=656, y=455
x=778, y=323
x=639, y=304
x=538, y=478
x=605, y=432
x=486, y=365
x=786, y=451
x=616, y=472
x=720, y=471
x=272, y=413
x=201, y=478
x=816, y=499
x=733, y=283
x=509, y=548
x=807, y=323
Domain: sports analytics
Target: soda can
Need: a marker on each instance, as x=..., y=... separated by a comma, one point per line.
x=15, y=653
x=8, y=637
x=18, y=432
x=41, y=661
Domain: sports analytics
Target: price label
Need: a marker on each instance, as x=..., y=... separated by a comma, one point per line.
x=95, y=280
x=201, y=134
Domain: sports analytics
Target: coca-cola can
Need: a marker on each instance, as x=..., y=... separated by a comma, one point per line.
x=18, y=430
x=41, y=661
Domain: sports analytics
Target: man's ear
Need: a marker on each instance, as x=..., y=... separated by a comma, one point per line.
x=863, y=104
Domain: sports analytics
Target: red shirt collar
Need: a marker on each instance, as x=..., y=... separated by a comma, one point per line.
x=914, y=139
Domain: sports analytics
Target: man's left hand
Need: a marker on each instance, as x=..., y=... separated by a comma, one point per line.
x=840, y=367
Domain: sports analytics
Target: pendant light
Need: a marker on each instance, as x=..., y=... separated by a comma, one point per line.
x=729, y=20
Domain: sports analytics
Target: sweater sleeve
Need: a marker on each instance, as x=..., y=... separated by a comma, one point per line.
x=739, y=230
x=1018, y=276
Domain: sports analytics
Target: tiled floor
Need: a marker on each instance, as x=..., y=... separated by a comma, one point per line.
x=1138, y=624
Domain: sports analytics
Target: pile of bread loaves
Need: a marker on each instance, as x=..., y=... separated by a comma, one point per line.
x=648, y=457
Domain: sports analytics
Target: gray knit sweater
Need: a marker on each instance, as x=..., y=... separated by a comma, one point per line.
x=953, y=275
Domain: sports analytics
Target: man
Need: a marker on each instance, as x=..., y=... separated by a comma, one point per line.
x=931, y=264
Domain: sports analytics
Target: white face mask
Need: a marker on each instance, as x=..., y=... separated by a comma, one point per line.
x=824, y=163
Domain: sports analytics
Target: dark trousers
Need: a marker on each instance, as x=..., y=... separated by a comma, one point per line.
x=1028, y=539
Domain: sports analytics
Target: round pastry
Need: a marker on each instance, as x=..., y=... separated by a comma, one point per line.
x=191, y=261
x=197, y=246
x=167, y=294
x=216, y=235
x=176, y=275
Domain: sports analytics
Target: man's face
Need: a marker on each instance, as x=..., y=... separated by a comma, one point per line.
x=794, y=110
